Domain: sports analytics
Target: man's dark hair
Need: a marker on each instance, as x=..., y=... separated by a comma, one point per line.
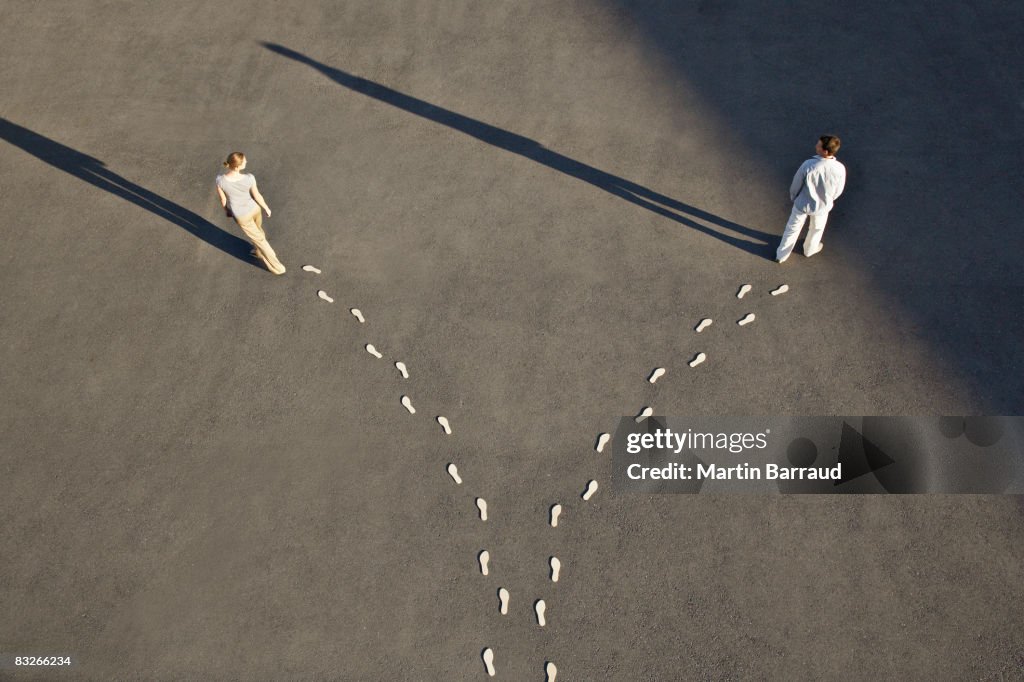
x=830, y=143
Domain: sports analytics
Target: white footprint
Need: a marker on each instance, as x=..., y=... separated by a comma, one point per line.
x=481, y=504
x=704, y=324
x=443, y=421
x=644, y=414
x=408, y=404
x=551, y=671
x=747, y=319
x=699, y=358
x=323, y=294
x=591, y=489
x=602, y=440
x=781, y=290
x=311, y=268
x=453, y=471
x=488, y=657
x=356, y=313
x=656, y=374
x=484, y=557
x=556, y=510
x=744, y=290
x=402, y=368
x=373, y=351
x=540, y=607
x=556, y=566
x=503, y=601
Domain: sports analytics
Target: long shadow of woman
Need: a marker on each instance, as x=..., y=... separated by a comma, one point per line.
x=96, y=173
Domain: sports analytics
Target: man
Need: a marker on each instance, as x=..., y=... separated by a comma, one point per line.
x=816, y=185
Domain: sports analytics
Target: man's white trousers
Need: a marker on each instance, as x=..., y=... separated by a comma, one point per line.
x=812, y=244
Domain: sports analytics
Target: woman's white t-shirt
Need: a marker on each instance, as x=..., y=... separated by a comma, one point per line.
x=237, y=191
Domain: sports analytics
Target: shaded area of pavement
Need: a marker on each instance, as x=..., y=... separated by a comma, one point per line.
x=926, y=99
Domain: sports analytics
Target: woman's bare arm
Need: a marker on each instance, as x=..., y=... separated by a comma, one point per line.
x=255, y=193
x=223, y=201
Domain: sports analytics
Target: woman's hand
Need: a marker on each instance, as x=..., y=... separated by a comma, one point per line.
x=268, y=211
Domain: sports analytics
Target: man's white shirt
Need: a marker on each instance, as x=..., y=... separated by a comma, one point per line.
x=817, y=184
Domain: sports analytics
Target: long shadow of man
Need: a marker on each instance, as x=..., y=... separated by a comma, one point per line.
x=533, y=150
x=96, y=173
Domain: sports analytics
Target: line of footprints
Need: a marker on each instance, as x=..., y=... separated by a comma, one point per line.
x=700, y=357
x=604, y=438
x=484, y=557
x=540, y=606
x=399, y=365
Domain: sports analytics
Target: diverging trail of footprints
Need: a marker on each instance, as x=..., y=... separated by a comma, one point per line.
x=483, y=557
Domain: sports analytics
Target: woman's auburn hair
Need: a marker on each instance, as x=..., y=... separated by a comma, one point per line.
x=234, y=160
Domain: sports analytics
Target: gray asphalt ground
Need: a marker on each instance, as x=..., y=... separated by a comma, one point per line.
x=205, y=476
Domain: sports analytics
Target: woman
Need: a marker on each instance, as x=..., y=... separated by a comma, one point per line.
x=242, y=201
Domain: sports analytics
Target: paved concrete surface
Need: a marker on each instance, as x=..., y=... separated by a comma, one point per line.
x=205, y=476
